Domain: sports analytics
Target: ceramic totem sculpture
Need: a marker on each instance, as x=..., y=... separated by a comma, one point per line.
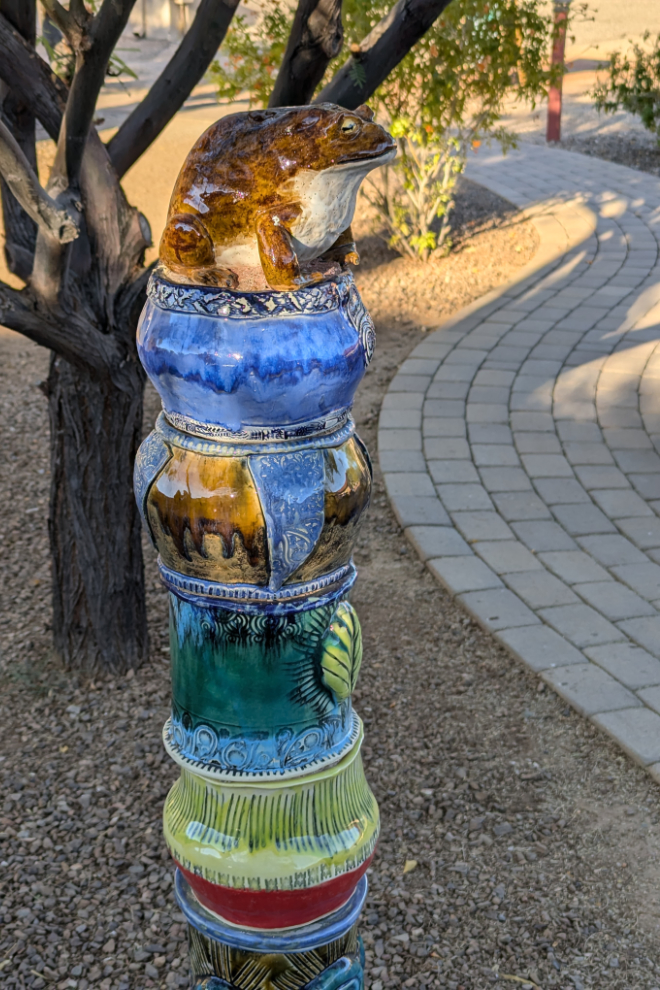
x=253, y=486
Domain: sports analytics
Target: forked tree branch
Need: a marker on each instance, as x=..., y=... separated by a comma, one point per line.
x=27, y=73
x=381, y=51
x=59, y=15
x=93, y=53
x=316, y=38
x=24, y=184
x=174, y=85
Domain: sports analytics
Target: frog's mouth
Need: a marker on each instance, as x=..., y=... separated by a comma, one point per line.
x=381, y=157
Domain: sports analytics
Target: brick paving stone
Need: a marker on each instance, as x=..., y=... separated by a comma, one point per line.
x=651, y=697
x=507, y=556
x=498, y=609
x=445, y=447
x=648, y=485
x=401, y=460
x=630, y=664
x=589, y=689
x=412, y=511
x=642, y=578
x=582, y=625
x=452, y=472
x=579, y=432
x=540, y=647
x=597, y=476
x=532, y=421
x=436, y=426
x=481, y=526
x=494, y=455
x=540, y=589
x=556, y=491
x=621, y=502
x=588, y=453
x=618, y=439
x=636, y=730
x=495, y=433
x=546, y=466
x=645, y=631
x=403, y=400
x=537, y=443
x=638, y=461
x=583, y=520
x=399, y=440
x=404, y=418
x=445, y=408
x=541, y=535
x=645, y=533
x=612, y=550
x=574, y=566
x=457, y=497
x=505, y=479
x=408, y=483
x=614, y=600
x=437, y=541
x=461, y=574
x=409, y=383
x=514, y=506
x=447, y=390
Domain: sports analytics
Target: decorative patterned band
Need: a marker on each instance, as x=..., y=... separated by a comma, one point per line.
x=210, y=301
x=241, y=448
x=259, y=434
x=250, y=597
x=286, y=756
x=292, y=940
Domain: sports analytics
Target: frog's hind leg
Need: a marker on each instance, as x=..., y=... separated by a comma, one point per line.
x=343, y=250
x=186, y=251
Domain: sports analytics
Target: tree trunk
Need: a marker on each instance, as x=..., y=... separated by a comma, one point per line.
x=99, y=613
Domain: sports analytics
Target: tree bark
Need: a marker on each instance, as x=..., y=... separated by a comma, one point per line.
x=316, y=38
x=20, y=230
x=99, y=612
x=380, y=52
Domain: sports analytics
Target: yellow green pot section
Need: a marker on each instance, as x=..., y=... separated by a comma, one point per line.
x=273, y=836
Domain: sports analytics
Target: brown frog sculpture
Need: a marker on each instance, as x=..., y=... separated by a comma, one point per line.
x=264, y=193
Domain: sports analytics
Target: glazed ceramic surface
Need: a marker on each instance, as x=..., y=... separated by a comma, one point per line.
x=253, y=486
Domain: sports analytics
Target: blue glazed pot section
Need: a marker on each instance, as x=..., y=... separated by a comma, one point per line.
x=264, y=371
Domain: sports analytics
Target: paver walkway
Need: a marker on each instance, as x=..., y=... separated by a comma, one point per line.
x=520, y=441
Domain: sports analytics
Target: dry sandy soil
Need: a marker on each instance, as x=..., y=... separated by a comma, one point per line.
x=519, y=847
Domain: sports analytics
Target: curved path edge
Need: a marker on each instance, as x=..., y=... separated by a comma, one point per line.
x=519, y=443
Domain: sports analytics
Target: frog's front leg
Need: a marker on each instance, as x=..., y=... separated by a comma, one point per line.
x=343, y=250
x=277, y=253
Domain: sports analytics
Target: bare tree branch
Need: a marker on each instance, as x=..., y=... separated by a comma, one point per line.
x=316, y=38
x=381, y=51
x=60, y=16
x=24, y=184
x=28, y=74
x=92, y=56
x=168, y=94
x=64, y=332
x=20, y=231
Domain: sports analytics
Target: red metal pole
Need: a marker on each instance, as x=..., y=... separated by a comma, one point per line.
x=553, y=130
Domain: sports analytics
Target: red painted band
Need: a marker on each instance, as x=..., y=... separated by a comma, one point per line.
x=275, y=908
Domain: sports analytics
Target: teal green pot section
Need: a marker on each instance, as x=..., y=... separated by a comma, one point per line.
x=255, y=693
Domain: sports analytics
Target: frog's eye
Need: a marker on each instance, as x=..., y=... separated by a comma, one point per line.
x=349, y=125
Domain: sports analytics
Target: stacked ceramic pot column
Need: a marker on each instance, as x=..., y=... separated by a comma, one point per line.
x=253, y=486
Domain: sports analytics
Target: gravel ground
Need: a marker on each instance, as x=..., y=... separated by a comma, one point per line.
x=519, y=847
x=620, y=148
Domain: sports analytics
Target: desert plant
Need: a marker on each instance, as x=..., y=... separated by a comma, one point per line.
x=633, y=84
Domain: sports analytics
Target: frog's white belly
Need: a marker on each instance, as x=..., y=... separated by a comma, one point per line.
x=328, y=204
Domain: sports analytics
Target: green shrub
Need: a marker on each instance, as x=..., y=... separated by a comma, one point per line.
x=633, y=84
x=445, y=97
